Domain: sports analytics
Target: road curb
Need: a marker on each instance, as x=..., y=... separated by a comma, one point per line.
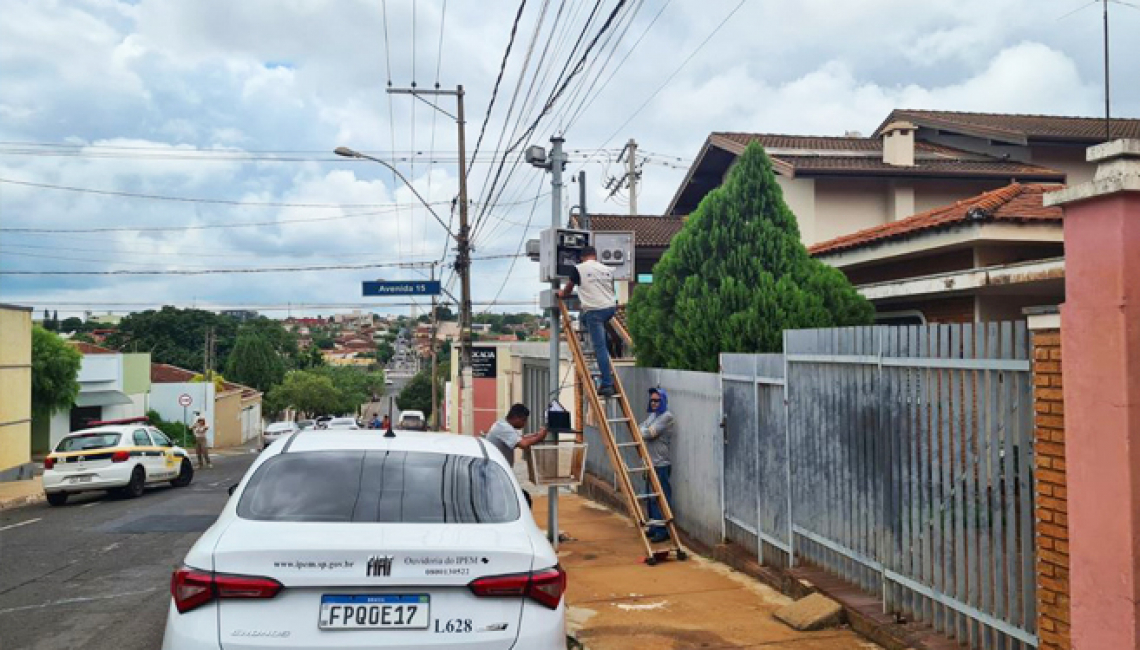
x=18, y=502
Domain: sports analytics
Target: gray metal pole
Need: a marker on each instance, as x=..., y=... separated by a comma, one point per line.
x=556, y=162
x=583, y=213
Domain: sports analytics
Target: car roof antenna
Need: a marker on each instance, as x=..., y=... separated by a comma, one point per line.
x=389, y=433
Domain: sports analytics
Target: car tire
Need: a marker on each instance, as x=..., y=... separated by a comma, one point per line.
x=185, y=474
x=137, y=486
x=57, y=498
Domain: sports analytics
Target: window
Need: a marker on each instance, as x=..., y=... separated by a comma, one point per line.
x=645, y=278
x=88, y=441
x=142, y=439
x=380, y=486
x=160, y=438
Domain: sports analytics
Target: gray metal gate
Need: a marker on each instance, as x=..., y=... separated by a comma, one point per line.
x=910, y=470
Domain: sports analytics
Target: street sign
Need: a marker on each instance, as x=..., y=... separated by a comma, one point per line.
x=185, y=400
x=400, y=288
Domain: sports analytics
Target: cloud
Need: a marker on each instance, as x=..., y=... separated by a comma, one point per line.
x=176, y=78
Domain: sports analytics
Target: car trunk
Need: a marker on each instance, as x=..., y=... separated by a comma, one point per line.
x=323, y=566
x=89, y=462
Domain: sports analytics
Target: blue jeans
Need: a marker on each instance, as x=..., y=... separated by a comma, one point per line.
x=663, y=473
x=595, y=322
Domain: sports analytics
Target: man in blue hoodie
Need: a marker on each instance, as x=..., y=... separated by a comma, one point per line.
x=657, y=430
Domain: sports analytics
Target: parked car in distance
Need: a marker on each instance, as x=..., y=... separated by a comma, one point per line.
x=350, y=540
x=122, y=458
x=342, y=423
x=412, y=421
x=276, y=431
x=306, y=424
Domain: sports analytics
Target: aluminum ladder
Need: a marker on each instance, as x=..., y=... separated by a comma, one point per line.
x=619, y=431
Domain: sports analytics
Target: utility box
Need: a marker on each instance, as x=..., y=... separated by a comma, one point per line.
x=560, y=250
x=616, y=250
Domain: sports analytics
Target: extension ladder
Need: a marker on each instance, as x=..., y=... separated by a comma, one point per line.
x=620, y=432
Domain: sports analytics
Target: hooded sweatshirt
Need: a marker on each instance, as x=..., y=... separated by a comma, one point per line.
x=657, y=429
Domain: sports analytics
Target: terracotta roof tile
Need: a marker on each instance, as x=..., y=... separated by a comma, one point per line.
x=648, y=231
x=1015, y=203
x=1020, y=128
x=863, y=156
x=91, y=348
x=162, y=373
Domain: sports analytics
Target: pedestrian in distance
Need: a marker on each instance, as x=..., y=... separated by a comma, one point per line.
x=386, y=423
x=657, y=430
x=200, y=442
x=375, y=423
x=595, y=283
x=506, y=435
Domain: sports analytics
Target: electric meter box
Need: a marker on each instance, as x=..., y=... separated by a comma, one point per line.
x=615, y=250
x=559, y=250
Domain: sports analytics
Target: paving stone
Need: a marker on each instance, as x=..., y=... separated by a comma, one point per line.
x=815, y=612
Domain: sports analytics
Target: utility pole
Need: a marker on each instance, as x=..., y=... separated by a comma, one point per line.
x=1107, y=95
x=583, y=214
x=463, y=252
x=629, y=179
x=434, y=379
x=557, y=160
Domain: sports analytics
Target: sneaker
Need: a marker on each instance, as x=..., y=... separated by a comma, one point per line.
x=606, y=391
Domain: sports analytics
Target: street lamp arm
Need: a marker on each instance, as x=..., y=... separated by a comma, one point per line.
x=351, y=153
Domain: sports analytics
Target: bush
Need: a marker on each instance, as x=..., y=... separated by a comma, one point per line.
x=176, y=431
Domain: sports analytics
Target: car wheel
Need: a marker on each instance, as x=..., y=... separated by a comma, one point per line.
x=185, y=474
x=57, y=498
x=137, y=485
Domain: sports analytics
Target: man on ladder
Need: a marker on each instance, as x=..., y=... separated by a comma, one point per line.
x=595, y=282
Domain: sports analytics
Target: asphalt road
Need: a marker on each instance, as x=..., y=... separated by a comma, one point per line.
x=95, y=573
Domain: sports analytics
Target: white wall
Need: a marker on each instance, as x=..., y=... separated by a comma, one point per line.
x=164, y=399
x=799, y=194
x=137, y=408
x=251, y=421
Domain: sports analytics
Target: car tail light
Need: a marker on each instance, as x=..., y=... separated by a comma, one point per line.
x=545, y=587
x=120, y=456
x=192, y=588
x=49, y=462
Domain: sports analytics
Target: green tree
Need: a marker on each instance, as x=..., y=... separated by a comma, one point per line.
x=416, y=395
x=310, y=357
x=384, y=351
x=254, y=361
x=735, y=277
x=323, y=342
x=71, y=324
x=55, y=372
x=305, y=391
x=175, y=336
x=355, y=386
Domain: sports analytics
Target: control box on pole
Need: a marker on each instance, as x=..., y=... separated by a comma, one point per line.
x=560, y=249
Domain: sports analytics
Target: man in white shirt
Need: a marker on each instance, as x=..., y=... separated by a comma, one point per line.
x=595, y=282
x=506, y=435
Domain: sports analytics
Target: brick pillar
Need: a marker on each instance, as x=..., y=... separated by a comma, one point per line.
x=1051, y=499
x=1101, y=338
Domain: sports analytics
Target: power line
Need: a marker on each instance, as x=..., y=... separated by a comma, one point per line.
x=499, y=78
x=280, y=269
x=522, y=242
x=673, y=74
x=185, y=199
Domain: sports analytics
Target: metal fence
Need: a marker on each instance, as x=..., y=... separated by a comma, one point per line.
x=910, y=470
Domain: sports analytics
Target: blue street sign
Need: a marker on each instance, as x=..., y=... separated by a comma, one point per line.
x=400, y=288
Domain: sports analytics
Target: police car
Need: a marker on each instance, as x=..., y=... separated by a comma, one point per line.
x=123, y=457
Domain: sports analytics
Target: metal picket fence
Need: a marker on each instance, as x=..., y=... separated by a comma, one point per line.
x=910, y=470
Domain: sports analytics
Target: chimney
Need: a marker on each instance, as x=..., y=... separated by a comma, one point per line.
x=898, y=144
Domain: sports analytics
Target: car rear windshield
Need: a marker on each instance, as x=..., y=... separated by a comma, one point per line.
x=88, y=441
x=380, y=487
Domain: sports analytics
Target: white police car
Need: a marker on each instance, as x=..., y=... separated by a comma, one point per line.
x=124, y=458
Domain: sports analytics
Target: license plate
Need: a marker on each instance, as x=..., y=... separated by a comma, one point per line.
x=374, y=612
x=85, y=478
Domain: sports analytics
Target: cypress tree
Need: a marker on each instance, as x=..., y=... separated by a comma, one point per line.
x=735, y=277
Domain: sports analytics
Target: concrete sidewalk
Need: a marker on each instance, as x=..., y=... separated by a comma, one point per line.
x=14, y=494
x=617, y=602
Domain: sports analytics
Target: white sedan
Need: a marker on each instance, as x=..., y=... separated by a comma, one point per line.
x=342, y=423
x=347, y=539
x=122, y=458
x=276, y=431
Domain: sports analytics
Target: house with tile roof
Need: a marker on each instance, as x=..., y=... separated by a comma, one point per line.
x=232, y=410
x=916, y=160
x=984, y=258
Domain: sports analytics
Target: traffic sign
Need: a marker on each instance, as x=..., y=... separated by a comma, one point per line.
x=400, y=288
x=185, y=400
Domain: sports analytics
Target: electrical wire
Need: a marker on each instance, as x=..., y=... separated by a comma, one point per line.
x=672, y=75
x=280, y=269
x=522, y=242
x=499, y=78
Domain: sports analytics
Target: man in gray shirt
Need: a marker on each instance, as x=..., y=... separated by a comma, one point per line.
x=506, y=435
x=657, y=430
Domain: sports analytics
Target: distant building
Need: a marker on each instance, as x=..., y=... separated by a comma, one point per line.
x=240, y=314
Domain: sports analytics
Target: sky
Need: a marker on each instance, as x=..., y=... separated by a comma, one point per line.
x=197, y=135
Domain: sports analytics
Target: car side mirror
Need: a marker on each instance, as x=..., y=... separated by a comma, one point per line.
x=232, y=489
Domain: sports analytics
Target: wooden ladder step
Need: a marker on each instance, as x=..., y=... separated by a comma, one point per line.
x=650, y=495
x=627, y=444
x=638, y=469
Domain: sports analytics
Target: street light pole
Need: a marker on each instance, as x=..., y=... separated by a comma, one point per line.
x=462, y=243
